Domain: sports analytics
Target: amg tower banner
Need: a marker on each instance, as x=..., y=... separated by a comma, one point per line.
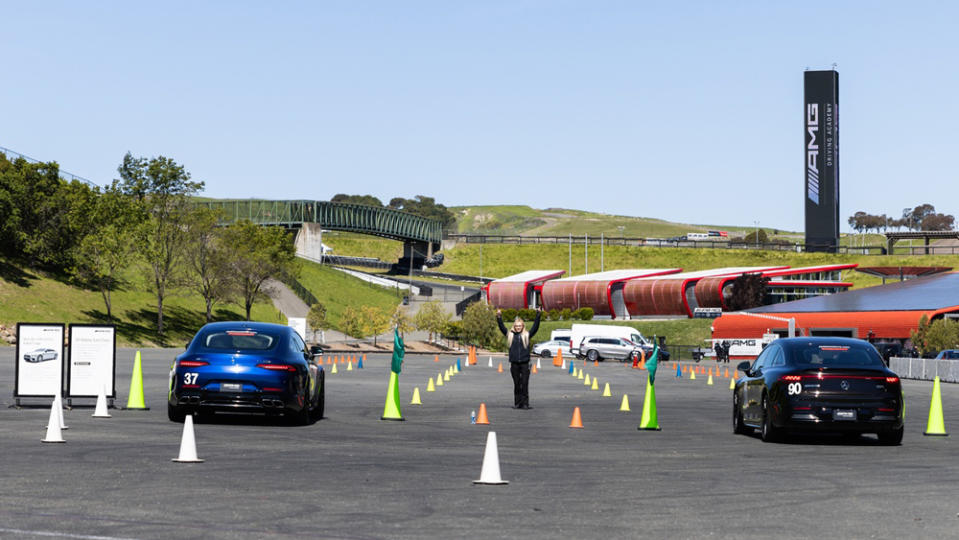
x=821, y=159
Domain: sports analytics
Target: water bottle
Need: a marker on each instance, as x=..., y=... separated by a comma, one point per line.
x=473, y=417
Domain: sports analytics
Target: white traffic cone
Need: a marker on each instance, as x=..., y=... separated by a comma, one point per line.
x=564, y=364
x=490, y=361
x=188, y=443
x=490, y=473
x=58, y=405
x=101, y=410
x=538, y=365
x=53, y=426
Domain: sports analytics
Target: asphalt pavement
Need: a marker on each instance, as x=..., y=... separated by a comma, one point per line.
x=354, y=476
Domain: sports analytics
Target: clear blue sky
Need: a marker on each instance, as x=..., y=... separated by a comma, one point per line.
x=687, y=111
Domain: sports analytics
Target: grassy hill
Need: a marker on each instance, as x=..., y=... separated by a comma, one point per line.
x=338, y=291
x=33, y=296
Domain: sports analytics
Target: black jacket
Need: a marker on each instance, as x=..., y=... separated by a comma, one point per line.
x=518, y=354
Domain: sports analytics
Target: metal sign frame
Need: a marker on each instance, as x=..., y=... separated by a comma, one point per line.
x=19, y=356
x=113, y=363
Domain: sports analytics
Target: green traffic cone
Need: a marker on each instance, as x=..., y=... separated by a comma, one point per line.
x=649, y=421
x=936, y=427
x=391, y=411
x=135, y=400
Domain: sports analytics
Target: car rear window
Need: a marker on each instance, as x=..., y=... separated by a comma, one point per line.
x=239, y=340
x=813, y=355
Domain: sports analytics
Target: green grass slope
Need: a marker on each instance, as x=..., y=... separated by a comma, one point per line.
x=32, y=296
x=338, y=291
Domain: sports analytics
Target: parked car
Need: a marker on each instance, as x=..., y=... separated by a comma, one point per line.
x=605, y=347
x=948, y=354
x=40, y=355
x=550, y=348
x=819, y=384
x=247, y=367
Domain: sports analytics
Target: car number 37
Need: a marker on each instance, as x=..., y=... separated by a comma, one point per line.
x=190, y=378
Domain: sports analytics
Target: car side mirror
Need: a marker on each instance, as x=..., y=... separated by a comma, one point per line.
x=316, y=350
x=743, y=366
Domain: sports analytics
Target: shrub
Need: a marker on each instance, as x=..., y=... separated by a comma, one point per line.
x=566, y=314
x=527, y=314
x=509, y=315
x=585, y=314
x=554, y=314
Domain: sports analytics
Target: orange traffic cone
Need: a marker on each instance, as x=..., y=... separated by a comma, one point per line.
x=500, y=368
x=595, y=363
x=727, y=373
x=534, y=369
x=577, y=421
x=558, y=359
x=436, y=358
x=481, y=418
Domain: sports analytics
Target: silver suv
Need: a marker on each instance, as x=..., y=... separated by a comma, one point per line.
x=613, y=348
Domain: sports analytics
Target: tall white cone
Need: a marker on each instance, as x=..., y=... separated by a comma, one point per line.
x=538, y=365
x=63, y=424
x=101, y=410
x=490, y=473
x=188, y=443
x=490, y=361
x=53, y=426
x=564, y=363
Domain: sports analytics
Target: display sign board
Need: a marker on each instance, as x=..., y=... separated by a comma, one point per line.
x=93, y=361
x=707, y=312
x=298, y=324
x=821, y=159
x=39, y=360
x=742, y=346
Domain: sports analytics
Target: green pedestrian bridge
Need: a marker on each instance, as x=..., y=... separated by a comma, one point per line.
x=420, y=234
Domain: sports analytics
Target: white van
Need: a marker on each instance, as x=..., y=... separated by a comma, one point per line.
x=580, y=331
x=561, y=333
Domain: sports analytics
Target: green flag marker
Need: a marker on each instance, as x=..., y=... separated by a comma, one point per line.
x=651, y=364
x=399, y=351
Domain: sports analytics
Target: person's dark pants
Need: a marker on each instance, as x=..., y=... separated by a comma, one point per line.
x=520, y=373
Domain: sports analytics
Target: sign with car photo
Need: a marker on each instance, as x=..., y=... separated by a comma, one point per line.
x=39, y=360
x=93, y=361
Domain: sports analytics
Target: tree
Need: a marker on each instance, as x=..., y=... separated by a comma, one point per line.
x=376, y=321
x=751, y=237
x=748, y=291
x=479, y=325
x=942, y=334
x=209, y=259
x=108, y=247
x=426, y=207
x=316, y=318
x=938, y=222
x=258, y=253
x=918, y=336
x=160, y=188
x=431, y=318
x=402, y=321
x=367, y=200
x=351, y=323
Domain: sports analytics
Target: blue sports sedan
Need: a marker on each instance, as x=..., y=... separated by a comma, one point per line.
x=247, y=367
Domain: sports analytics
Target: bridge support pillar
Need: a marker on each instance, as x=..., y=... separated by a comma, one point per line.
x=309, y=241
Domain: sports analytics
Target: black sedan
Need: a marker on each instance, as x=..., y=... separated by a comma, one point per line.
x=819, y=384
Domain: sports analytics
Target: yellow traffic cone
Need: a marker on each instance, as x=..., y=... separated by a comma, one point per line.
x=586, y=381
x=416, y=396
x=430, y=387
x=349, y=366
x=936, y=427
x=606, y=392
x=135, y=399
x=624, y=406
x=334, y=369
x=595, y=385
x=446, y=376
x=439, y=379
x=692, y=376
x=650, y=420
x=709, y=381
x=391, y=409
x=732, y=384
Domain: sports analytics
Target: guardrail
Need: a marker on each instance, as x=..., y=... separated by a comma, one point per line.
x=654, y=242
x=925, y=369
x=299, y=290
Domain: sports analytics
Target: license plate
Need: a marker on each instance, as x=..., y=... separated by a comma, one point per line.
x=844, y=414
x=231, y=387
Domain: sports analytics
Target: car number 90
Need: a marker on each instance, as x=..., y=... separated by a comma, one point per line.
x=794, y=388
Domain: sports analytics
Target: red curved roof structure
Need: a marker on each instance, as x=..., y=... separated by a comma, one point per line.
x=602, y=291
x=516, y=291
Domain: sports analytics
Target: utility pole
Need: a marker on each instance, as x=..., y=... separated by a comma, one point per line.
x=602, y=252
x=570, y=255
x=586, y=238
x=481, y=261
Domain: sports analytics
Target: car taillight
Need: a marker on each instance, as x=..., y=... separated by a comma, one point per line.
x=193, y=363
x=791, y=378
x=277, y=367
x=892, y=380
